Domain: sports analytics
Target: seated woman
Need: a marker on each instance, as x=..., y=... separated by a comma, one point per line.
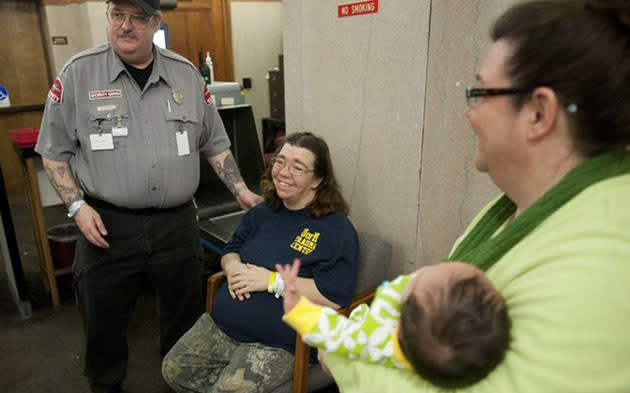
x=244, y=345
x=551, y=114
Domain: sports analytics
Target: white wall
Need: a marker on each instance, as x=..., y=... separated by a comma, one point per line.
x=386, y=91
x=71, y=21
x=257, y=42
x=97, y=21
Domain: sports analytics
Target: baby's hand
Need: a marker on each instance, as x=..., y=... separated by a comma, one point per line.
x=289, y=274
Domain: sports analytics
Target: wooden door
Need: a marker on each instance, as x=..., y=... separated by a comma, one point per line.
x=203, y=26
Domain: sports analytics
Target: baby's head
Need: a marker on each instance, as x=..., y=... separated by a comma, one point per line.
x=454, y=327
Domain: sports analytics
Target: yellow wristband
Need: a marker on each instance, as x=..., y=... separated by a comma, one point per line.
x=272, y=278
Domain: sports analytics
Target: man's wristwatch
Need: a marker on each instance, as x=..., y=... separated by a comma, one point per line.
x=74, y=207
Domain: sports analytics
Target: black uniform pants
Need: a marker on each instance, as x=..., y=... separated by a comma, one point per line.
x=163, y=244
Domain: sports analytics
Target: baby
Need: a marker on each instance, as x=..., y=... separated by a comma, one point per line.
x=445, y=321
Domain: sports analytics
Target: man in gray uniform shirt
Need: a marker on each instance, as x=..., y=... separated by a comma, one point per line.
x=123, y=130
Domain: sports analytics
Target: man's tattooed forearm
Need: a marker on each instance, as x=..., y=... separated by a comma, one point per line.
x=67, y=193
x=228, y=171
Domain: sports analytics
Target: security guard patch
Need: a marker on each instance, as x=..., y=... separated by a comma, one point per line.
x=56, y=91
x=104, y=94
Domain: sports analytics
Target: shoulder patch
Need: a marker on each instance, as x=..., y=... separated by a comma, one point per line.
x=56, y=91
x=207, y=97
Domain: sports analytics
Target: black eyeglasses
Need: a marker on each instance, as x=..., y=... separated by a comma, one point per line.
x=474, y=94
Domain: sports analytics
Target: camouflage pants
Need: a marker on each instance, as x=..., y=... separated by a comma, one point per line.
x=206, y=360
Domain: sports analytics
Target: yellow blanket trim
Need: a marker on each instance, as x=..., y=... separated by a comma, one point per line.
x=398, y=353
x=304, y=316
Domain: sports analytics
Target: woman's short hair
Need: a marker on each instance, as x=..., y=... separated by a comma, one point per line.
x=328, y=198
x=581, y=50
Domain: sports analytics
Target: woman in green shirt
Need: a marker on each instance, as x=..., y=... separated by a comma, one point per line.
x=551, y=111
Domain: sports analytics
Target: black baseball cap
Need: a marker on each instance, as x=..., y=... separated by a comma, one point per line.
x=150, y=7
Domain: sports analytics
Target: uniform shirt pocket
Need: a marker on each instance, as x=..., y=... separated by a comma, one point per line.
x=184, y=120
x=105, y=120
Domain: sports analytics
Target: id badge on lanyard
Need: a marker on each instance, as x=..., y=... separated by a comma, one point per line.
x=183, y=148
x=102, y=140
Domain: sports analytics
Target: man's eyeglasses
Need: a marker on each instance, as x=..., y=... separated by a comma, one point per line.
x=296, y=169
x=117, y=18
x=475, y=94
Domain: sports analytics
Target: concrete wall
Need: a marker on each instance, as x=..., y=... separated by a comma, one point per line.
x=257, y=42
x=386, y=91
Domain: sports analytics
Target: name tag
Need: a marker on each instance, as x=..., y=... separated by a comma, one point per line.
x=119, y=131
x=105, y=108
x=102, y=142
x=183, y=149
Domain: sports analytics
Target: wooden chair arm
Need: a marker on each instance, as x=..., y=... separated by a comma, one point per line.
x=300, y=367
x=214, y=282
x=303, y=351
x=365, y=297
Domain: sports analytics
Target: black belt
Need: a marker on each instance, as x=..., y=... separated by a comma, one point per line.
x=144, y=211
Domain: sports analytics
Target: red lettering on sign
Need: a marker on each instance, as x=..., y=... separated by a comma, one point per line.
x=352, y=9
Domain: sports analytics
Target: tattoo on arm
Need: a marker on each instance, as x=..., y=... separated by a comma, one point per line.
x=61, y=171
x=229, y=173
x=65, y=186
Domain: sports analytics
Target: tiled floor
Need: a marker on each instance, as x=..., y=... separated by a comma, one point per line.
x=44, y=352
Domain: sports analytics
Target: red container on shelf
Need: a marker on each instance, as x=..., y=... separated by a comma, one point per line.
x=24, y=137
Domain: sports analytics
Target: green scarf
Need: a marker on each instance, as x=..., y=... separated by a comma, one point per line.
x=482, y=250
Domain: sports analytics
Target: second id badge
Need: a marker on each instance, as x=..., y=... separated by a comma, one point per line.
x=119, y=131
x=183, y=149
x=102, y=142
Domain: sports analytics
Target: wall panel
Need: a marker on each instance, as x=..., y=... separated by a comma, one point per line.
x=386, y=90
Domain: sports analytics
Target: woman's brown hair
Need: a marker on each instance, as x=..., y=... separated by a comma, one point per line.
x=328, y=198
x=581, y=50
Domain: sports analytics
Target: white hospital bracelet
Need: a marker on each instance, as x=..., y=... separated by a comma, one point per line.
x=278, y=286
x=74, y=207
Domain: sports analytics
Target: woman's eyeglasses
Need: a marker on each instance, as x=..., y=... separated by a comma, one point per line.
x=295, y=169
x=475, y=94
